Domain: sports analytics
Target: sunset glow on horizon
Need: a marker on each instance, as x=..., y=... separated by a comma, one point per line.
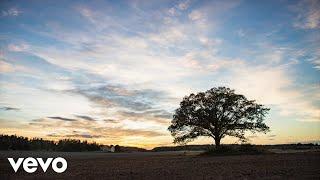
x=114, y=73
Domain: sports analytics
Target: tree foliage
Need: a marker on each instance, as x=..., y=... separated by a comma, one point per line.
x=14, y=142
x=217, y=113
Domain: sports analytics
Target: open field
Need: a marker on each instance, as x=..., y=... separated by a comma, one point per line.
x=170, y=165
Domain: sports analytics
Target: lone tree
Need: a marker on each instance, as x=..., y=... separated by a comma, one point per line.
x=217, y=113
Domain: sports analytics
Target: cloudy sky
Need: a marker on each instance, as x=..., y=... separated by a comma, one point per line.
x=114, y=71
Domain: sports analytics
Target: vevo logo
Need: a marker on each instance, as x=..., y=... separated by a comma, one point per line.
x=30, y=164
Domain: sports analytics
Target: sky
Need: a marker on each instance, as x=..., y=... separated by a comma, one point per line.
x=113, y=72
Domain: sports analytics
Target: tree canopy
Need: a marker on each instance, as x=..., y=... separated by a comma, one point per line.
x=217, y=113
x=13, y=142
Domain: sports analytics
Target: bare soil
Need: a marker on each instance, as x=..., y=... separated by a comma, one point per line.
x=170, y=165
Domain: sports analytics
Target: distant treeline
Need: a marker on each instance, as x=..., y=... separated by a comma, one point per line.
x=131, y=149
x=13, y=142
x=298, y=146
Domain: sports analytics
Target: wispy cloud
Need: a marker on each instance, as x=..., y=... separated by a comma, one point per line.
x=196, y=15
x=62, y=118
x=277, y=82
x=18, y=47
x=5, y=67
x=9, y=108
x=11, y=12
x=92, y=129
x=75, y=135
x=308, y=14
x=117, y=96
x=184, y=5
x=86, y=117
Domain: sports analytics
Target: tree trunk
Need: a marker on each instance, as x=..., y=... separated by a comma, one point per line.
x=217, y=142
